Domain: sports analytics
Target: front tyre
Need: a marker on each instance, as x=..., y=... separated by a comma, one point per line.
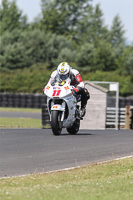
x=56, y=123
x=74, y=128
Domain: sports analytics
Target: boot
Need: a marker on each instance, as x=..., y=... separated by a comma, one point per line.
x=83, y=107
x=83, y=111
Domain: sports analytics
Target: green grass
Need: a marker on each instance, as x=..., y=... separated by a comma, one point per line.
x=108, y=181
x=20, y=123
x=32, y=110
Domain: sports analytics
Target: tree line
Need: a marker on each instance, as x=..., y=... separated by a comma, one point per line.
x=67, y=30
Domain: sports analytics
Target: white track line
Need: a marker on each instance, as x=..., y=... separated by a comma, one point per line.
x=70, y=168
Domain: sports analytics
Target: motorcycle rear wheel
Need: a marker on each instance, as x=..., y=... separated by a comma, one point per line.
x=74, y=128
x=56, y=123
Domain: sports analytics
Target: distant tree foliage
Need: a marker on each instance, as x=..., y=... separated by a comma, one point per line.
x=66, y=30
x=117, y=32
x=63, y=16
x=11, y=17
x=23, y=49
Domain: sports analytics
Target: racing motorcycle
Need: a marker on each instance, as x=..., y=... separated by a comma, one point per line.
x=63, y=107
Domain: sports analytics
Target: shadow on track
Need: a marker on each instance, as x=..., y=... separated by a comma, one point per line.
x=78, y=134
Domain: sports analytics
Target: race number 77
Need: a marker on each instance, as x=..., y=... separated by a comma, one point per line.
x=56, y=93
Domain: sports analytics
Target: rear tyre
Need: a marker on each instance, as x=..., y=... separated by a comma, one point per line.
x=56, y=123
x=74, y=128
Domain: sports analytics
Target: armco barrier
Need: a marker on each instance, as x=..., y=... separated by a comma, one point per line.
x=111, y=118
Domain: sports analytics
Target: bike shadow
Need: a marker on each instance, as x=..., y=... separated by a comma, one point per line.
x=78, y=134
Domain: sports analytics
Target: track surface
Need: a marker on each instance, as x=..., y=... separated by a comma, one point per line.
x=27, y=151
x=20, y=115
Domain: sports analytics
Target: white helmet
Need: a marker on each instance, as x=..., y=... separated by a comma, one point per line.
x=63, y=70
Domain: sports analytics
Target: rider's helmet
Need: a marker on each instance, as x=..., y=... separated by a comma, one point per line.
x=63, y=70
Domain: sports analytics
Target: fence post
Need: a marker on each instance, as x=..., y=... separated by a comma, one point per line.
x=127, y=118
x=45, y=117
x=131, y=118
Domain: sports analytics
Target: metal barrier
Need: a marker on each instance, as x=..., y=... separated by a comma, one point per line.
x=111, y=117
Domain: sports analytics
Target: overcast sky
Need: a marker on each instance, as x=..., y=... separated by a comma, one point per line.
x=110, y=9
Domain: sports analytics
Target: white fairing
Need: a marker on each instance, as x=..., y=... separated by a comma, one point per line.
x=60, y=97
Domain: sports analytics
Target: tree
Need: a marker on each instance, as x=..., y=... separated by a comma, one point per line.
x=92, y=28
x=101, y=58
x=98, y=30
x=127, y=58
x=11, y=17
x=63, y=16
x=117, y=32
x=105, y=57
x=21, y=49
x=13, y=53
x=86, y=57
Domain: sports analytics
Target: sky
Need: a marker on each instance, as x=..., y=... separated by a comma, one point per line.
x=110, y=8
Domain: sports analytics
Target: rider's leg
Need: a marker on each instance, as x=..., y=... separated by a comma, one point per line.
x=84, y=98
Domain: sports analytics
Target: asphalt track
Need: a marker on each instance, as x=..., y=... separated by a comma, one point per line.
x=28, y=151
x=12, y=114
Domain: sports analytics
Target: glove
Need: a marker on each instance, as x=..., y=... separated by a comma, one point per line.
x=75, y=91
x=43, y=90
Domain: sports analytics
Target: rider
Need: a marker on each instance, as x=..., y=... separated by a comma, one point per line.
x=64, y=71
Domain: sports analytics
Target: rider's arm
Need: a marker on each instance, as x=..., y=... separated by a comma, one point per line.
x=51, y=78
x=78, y=78
x=54, y=73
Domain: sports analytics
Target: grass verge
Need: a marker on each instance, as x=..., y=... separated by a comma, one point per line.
x=32, y=110
x=20, y=123
x=112, y=180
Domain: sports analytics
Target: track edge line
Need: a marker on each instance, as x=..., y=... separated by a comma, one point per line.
x=70, y=168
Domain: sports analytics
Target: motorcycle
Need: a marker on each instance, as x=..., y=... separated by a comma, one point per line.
x=63, y=107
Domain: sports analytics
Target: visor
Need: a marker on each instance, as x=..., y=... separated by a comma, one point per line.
x=63, y=76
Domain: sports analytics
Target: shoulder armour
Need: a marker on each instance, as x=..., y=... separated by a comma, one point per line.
x=75, y=72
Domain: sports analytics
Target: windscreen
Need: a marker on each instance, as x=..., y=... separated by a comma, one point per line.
x=59, y=79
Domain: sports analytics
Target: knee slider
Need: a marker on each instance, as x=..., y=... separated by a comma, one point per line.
x=87, y=94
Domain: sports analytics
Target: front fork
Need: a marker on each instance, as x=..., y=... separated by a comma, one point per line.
x=58, y=107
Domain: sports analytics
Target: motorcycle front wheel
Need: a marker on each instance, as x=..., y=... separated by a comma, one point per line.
x=56, y=123
x=74, y=128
